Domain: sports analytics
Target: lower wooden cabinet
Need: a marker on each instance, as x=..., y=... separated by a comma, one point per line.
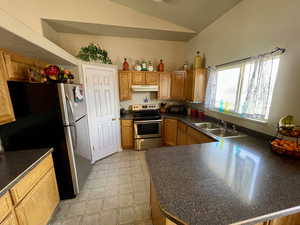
x=5, y=206
x=37, y=207
x=10, y=220
x=181, y=133
x=196, y=137
x=170, y=132
x=127, y=134
x=37, y=202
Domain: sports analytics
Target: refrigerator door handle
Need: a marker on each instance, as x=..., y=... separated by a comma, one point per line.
x=71, y=110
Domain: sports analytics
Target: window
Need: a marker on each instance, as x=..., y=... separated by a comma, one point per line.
x=245, y=89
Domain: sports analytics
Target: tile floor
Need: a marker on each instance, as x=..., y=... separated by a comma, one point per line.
x=117, y=192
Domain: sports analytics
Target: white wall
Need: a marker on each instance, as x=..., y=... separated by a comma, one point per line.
x=172, y=52
x=250, y=28
x=90, y=11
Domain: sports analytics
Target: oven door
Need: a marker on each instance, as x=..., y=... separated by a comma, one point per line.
x=147, y=128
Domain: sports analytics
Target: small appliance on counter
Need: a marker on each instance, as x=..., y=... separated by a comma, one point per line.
x=177, y=110
x=147, y=126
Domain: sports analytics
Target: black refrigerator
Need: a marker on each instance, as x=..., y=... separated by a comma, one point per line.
x=52, y=116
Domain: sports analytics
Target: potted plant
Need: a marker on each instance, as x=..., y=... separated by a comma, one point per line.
x=93, y=52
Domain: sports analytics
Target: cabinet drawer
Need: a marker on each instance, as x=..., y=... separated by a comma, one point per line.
x=26, y=183
x=127, y=123
x=5, y=206
x=10, y=220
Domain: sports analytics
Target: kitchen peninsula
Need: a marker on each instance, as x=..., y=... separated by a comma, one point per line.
x=232, y=181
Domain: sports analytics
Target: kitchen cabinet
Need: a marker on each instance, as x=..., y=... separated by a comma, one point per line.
x=125, y=92
x=138, y=78
x=6, y=206
x=33, y=200
x=10, y=220
x=286, y=220
x=181, y=133
x=6, y=109
x=127, y=134
x=164, y=86
x=197, y=137
x=178, y=85
x=170, y=132
x=152, y=78
x=38, y=206
x=195, y=85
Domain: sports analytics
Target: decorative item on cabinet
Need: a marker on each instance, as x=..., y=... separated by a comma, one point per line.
x=198, y=61
x=144, y=66
x=150, y=66
x=125, y=65
x=138, y=66
x=160, y=67
x=93, y=52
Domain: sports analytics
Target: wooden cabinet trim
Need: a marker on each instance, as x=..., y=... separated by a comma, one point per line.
x=5, y=205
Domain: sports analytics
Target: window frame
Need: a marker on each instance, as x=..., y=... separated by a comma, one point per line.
x=235, y=112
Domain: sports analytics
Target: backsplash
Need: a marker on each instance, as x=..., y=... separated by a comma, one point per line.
x=144, y=98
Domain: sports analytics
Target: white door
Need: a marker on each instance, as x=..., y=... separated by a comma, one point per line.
x=101, y=87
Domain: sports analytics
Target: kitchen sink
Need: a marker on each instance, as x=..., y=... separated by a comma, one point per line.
x=226, y=133
x=207, y=125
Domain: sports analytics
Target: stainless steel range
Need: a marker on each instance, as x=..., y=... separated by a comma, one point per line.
x=147, y=126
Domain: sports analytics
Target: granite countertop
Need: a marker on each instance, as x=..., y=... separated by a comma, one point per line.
x=230, y=181
x=15, y=165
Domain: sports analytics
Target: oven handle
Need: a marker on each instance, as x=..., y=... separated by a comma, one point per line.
x=147, y=121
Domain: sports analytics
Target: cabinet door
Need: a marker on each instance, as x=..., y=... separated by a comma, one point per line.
x=38, y=206
x=189, y=86
x=125, y=85
x=152, y=78
x=199, y=85
x=164, y=86
x=6, y=205
x=138, y=78
x=127, y=134
x=10, y=220
x=178, y=85
x=181, y=134
x=287, y=220
x=196, y=137
x=6, y=109
x=170, y=132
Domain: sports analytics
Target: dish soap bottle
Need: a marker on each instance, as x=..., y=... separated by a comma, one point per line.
x=125, y=65
x=160, y=67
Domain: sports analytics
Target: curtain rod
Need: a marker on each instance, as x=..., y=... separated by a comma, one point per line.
x=282, y=50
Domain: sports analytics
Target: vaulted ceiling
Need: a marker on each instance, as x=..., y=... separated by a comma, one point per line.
x=192, y=14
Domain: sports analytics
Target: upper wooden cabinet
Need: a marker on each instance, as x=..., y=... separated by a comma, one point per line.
x=170, y=132
x=6, y=109
x=138, y=78
x=125, y=85
x=145, y=78
x=178, y=85
x=195, y=85
x=164, y=86
x=152, y=78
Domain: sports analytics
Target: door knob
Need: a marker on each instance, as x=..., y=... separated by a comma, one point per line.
x=113, y=119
